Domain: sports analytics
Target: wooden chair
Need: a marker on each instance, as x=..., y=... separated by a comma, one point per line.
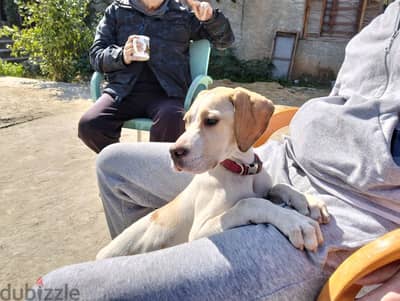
x=342, y=286
x=199, y=53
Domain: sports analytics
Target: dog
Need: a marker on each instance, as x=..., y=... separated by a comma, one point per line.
x=229, y=186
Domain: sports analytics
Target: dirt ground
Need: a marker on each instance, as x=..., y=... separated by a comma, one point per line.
x=51, y=214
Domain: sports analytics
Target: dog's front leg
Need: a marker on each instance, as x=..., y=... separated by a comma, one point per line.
x=302, y=231
x=133, y=240
x=304, y=203
x=162, y=228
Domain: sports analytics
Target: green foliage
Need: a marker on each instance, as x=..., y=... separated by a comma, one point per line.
x=224, y=64
x=54, y=35
x=11, y=69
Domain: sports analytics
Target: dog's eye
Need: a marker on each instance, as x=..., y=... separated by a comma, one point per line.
x=210, y=121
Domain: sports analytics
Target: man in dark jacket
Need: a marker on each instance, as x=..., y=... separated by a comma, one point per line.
x=155, y=88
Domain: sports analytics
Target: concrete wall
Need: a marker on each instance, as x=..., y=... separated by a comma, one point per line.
x=318, y=58
x=255, y=23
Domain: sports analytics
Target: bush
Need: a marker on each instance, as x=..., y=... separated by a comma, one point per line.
x=54, y=35
x=224, y=64
x=11, y=69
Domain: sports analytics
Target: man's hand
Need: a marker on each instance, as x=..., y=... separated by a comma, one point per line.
x=129, y=51
x=202, y=10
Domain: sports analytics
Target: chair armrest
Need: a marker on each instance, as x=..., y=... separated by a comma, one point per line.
x=199, y=83
x=95, y=83
x=281, y=118
x=371, y=257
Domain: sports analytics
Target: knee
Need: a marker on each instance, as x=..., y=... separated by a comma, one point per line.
x=113, y=160
x=106, y=159
x=87, y=126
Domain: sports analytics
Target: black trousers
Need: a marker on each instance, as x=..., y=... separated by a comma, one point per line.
x=101, y=124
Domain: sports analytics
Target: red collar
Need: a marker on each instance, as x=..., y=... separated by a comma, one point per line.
x=243, y=169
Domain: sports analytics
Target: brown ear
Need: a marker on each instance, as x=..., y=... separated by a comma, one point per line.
x=252, y=114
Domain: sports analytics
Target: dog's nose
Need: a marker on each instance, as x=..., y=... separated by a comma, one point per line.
x=178, y=152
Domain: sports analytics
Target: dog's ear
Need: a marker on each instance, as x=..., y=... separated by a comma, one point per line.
x=252, y=114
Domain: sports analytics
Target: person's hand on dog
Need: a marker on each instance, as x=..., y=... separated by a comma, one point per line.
x=203, y=10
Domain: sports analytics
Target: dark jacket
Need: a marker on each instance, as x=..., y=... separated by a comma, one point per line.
x=170, y=33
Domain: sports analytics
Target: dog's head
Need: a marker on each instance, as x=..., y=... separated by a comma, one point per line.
x=220, y=122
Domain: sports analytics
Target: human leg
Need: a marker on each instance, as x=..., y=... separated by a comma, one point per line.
x=135, y=179
x=101, y=124
x=246, y=263
x=167, y=115
x=98, y=127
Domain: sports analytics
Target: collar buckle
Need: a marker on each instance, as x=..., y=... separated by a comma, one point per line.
x=253, y=168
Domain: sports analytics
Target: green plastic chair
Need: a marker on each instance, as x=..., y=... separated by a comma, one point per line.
x=199, y=57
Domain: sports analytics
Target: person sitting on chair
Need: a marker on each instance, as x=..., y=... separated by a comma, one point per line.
x=153, y=85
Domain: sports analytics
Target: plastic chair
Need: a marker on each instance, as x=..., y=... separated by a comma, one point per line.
x=341, y=286
x=280, y=119
x=199, y=53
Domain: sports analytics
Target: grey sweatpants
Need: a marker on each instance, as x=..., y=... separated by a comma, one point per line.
x=247, y=263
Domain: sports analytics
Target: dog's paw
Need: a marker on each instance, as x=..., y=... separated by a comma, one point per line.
x=304, y=203
x=302, y=231
x=317, y=209
x=310, y=205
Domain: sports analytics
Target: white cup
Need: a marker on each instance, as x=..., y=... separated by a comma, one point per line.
x=203, y=5
x=141, y=47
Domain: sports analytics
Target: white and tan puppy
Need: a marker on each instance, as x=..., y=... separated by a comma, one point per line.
x=221, y=127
